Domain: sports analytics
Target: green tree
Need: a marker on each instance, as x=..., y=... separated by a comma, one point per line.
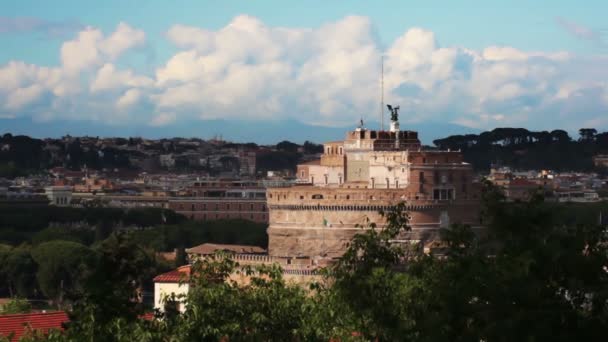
x=5, y=251
x=20, y=270
x=264, y=309
x=370, y=284
x=60, y=265
x=112, y=287
x=16, y=306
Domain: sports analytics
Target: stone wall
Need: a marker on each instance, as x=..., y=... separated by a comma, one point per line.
x=312, y=221
x=203, y=209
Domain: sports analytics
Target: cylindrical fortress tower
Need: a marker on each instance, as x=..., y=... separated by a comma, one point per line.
x=314, y=221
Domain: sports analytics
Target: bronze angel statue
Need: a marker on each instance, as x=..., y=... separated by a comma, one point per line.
x=394, y=112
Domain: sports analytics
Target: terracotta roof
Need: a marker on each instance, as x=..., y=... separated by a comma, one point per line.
x=18, y=324
x=148, y=316
x=174, y=276
x=210, y=248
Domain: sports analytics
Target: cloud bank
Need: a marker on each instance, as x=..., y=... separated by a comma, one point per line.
x=329, y=75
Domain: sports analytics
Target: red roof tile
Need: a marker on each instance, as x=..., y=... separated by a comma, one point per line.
x=18, y=324
x=174, y=276
x=148, y=316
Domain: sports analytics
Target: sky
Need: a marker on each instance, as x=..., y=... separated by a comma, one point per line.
x=478, y=64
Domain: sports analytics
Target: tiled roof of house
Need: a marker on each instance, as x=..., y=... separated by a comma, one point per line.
x=43, y=321
x=174, y=276
x=210, y=248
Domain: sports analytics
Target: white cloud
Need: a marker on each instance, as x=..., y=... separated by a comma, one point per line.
x=91, y=48
x=162, y=119
x=329, y=75
x=129, y=98
x=109, y=78
x=23, y=96
x=83, y=51
x=122, y=39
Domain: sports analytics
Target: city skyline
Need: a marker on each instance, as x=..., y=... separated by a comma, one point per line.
x=145, y=65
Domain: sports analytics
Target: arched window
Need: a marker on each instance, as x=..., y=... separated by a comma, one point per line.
x=317, y=196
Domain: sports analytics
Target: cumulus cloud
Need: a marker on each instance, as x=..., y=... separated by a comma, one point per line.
x=329, y=75
x=70, y=87
x=90, y=48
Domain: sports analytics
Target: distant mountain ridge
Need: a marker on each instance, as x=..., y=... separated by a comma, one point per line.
x=261, y=132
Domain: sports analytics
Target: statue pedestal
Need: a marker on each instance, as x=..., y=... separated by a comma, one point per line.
x=394, y=126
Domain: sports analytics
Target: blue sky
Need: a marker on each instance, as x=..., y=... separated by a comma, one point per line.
x=479, y=64
x=524, y=24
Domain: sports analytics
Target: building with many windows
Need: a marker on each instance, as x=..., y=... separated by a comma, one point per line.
x=223, y=199
x=367, y=172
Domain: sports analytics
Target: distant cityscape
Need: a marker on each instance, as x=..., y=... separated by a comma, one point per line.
x=180, y=172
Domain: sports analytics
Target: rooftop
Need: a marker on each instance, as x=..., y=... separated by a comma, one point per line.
x=174, y=276
x=19, y=324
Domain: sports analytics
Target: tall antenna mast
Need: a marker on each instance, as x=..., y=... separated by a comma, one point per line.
x=382, y=96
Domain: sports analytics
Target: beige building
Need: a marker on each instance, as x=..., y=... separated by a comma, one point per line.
x=355, y=178
x=175, y=282
x=59, y=195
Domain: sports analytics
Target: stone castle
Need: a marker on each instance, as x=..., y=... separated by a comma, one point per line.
x=367, y=172
x=312, y=223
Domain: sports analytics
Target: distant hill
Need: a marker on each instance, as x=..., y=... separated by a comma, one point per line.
x=261, y=132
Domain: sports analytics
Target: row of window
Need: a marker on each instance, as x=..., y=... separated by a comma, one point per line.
x=227, y=206
x=205, y=217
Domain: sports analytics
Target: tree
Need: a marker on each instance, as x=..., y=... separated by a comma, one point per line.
x=20, y=270
x=16, y=306
x=111, y=287
x=368, y=281
x=265, y=309
x=60, y=265
x=587, y=134
x=312, y=148
x=287, y=146
x=5, y=251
